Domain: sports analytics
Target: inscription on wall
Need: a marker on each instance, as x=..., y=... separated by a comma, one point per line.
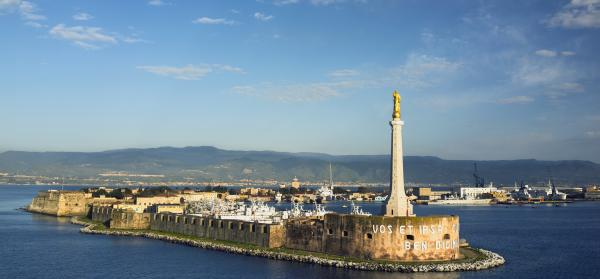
x=439, y=232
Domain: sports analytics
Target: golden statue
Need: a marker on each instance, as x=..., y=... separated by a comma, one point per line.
x=397, y=100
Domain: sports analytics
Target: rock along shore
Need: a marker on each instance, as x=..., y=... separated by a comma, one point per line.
x=490, y=259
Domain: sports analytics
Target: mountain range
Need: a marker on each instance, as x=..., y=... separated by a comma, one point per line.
x=206, y=163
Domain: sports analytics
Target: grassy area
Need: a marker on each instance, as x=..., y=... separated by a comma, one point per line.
x=469, y=254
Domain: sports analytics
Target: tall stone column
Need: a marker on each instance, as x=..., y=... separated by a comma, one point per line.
x=398, y=203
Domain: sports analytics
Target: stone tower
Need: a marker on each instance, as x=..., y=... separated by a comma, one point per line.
x=397, y=203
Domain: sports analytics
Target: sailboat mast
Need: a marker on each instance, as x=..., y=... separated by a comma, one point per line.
x=330, y=177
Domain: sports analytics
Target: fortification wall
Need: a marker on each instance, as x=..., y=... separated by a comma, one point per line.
x=45, y=202
x=430, y=238
x=265, y=235
x=122, y=219
x=101, y=214
x=305, y=234
x=59, y=203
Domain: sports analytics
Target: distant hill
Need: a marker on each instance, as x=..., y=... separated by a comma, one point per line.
x=207, y=163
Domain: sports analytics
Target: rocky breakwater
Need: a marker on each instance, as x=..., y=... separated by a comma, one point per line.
x=487, y=259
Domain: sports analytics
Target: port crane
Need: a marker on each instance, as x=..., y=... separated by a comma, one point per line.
x=479, y=180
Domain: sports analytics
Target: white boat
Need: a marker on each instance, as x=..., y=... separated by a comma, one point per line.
x=381, y=198
x=298, y=211
x=356, y=210
x=453, y=200
x=253, y=212
x=326, y=192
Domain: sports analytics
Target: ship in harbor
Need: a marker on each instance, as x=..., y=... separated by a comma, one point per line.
x=480, y=194
x=325, y=192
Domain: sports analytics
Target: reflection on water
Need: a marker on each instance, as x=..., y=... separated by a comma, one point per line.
x=50, y=219
x=532, y=239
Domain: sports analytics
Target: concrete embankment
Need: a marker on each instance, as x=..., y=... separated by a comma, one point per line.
x=483, y=260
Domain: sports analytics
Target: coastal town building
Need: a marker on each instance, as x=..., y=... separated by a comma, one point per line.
x=295, y=183
x=427, y=194
x=167, y=208
x=592, y=193
x=162, y=199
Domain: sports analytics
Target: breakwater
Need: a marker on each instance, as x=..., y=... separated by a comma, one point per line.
x=483, y=260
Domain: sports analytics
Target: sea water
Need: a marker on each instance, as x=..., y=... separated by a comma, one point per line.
x=537, y=241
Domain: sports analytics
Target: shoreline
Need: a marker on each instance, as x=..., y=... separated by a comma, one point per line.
x=484, y=259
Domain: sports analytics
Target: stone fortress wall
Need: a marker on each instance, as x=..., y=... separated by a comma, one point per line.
x=264, y=235
x=431, y=238
x=60, y=203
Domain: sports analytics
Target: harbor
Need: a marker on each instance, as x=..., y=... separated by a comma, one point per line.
x=510, y=224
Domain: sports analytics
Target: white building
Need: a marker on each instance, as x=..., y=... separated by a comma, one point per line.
x=474, y=193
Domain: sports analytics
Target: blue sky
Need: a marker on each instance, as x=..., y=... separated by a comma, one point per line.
x=479, y=79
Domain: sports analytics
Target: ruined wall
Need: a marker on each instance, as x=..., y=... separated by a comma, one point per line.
x=59, y=203
x=265, y=235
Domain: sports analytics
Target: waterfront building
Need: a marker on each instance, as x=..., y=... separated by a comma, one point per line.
x=167, y=208
x=592, y=193
x=295, y=183
x=198, y=196
x=162, y=199
x=427, y=194
x=475, y=193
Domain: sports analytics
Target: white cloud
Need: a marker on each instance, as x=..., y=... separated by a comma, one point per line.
x=418, y=71
x=82, y=16
x=9, y=4
x=537, y=73
x=86, y=37
x=213, y=21
x=35, y=24
x=564, y=89
x=545, y=53
x=294, y=92
x=314, y=2
x=29, y=11
x=133, y=40
x=228, y=68
x=552, y=53
x=325, y=2
x=157, y=3
x=516, y=100
x=285, y=2
x=344, y=73
x=190, y=72
x=421, y=71
x=577, y=14
x=86, y=45
x=234, y=11
x=262, y=17
x=571, y=87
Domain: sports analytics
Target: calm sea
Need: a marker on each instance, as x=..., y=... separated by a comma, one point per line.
x=537, y=242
